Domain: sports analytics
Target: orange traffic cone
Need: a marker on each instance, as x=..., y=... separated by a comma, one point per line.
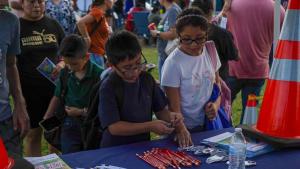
x=279, y=118
x=250, y=115
x=5, y=161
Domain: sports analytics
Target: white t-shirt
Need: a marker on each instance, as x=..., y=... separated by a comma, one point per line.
x=195, y=76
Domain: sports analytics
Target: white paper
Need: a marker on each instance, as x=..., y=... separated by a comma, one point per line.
x=51, y=161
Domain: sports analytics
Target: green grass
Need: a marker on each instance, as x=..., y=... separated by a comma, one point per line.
x=151, y=56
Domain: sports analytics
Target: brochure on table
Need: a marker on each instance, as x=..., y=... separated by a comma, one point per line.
x=51, y=161
x=254, y=147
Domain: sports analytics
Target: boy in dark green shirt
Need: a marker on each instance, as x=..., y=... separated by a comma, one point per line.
x=82, y=75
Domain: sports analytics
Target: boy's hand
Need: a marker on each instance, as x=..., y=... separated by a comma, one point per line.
x=176, y=118
x=183, y=137
x=58, y=68
x=211, y=110
x=161, y=127
x=73, y=111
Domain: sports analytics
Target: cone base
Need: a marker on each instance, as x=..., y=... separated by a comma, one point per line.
x=253, y=132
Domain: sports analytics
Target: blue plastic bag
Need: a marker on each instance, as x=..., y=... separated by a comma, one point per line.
x=221, y=120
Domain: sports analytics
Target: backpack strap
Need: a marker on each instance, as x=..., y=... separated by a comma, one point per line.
x=149, y=82
x=64, y=83
x=211, y=49
x=117, y=83
x=225, y=91
x=146, y=80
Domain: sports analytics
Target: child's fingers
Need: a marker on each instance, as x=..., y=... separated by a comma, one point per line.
x=208, y=106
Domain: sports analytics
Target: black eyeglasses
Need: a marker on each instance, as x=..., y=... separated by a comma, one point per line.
x=189, y=41
x=138, y=67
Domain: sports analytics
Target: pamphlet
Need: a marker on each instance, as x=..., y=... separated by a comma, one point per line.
x=51, y=161
x=46, y=68
x=254, y=147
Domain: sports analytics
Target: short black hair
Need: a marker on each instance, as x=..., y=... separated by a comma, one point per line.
x=191, y=17
x=122, y=45
x=205, y=5
x=73, y=46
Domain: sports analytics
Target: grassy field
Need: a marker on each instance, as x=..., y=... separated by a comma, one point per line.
x=151, y=56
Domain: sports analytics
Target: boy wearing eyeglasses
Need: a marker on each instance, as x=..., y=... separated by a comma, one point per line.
x=128, y=119
x=188, y=76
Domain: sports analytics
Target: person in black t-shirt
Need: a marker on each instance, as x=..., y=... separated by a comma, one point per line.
x=40, y=37
x=223, y=39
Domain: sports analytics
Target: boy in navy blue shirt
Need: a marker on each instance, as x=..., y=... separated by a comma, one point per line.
x=130, y=120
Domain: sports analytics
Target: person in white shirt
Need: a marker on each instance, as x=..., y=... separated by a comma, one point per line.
x=188, y=76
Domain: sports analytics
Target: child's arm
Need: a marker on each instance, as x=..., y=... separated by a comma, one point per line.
x=182, y=134
x=124, y=128
x=52, y=107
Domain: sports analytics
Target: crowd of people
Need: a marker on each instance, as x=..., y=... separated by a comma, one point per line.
x=86, y=51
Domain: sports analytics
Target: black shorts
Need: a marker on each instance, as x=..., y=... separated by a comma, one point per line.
x=37, y=96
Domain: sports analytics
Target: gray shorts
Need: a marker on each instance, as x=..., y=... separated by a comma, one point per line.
x=10, y=137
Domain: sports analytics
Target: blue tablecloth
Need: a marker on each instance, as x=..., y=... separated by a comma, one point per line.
x=124, y=156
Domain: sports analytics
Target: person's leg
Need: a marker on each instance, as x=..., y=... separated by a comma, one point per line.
x=234, y=85
x=37, y=101
x=10, y=137
x=33, y=139
x=71, y=141
x=251, y=86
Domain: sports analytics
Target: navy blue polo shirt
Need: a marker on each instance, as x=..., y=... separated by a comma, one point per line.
x=136, y=108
